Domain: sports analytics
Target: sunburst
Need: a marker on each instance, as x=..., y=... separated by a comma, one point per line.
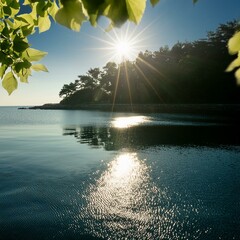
x=125, y=44
x=124, y=47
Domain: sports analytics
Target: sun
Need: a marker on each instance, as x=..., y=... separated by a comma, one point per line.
x=123, y=48
x=123, y=44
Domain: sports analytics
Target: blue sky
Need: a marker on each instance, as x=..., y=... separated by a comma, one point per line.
x=72, y=53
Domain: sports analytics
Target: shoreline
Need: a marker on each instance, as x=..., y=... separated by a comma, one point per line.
x=218, y=109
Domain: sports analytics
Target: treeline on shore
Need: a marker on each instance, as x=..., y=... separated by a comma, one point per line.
x=189, y=72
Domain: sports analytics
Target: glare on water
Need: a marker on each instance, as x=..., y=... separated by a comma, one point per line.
x=125, y=122
x=125, y=202
x=120, y=187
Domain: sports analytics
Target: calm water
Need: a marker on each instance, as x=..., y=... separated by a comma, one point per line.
x=97, y=175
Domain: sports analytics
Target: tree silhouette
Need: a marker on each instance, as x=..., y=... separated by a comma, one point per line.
x=190, y=72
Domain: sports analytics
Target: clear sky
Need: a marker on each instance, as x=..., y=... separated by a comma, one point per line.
x=73, y=53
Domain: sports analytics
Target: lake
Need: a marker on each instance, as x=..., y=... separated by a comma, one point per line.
x=99, y=175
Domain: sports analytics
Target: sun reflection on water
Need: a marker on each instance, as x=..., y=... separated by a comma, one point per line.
x=124, y=203
x=123, y=167
x=125, y=122
x=120, y=187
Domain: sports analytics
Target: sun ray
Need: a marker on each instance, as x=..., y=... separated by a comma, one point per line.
x=136, y=37
x=115, y=90
x=152, y=67
x=148, y=82
x=128, y=83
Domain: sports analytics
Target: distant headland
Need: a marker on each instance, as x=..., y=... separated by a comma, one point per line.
x=202, y=109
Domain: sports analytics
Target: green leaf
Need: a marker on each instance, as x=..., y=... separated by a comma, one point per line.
x=1, y=26
x=135, y=9
x=5, y=45
x=24, y=74
x=94, y=9
x=44, y=23
x=9, y=22
x=6, y=31
x=71, y=15
x=7, y=10
x=53, y=10
x=20, y=66
x=19, y=45
x=26, y=2
x=27, y=31
x=234, y=64
x=234, y=43
x=34, y=13
x=9, y=82
x=23, y=20
x=15, y=7
x=3, y=69
x=154, y=2
x=41, y=8
x=116, y=11
x=39, y=67
x=23, y=70
x=12, y=8
x=34, y=1
x=1, y=13
x=2, y=56
x=237, y=75
x=32, y=54
x=6, y=60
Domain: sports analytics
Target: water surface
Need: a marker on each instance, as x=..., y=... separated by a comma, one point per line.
x=99, y=175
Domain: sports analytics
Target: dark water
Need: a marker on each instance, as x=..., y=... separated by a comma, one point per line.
x=95, y=175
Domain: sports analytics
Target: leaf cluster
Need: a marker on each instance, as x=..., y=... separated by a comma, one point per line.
x=234, y=48
x=20, y=19
x=16, y=55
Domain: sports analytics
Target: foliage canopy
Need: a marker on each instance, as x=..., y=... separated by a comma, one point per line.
x=186, y=73
x=21, y=18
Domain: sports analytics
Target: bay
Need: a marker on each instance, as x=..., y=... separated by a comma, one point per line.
x=99, y=175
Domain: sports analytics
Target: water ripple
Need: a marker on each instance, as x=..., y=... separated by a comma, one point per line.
x=124, y=203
